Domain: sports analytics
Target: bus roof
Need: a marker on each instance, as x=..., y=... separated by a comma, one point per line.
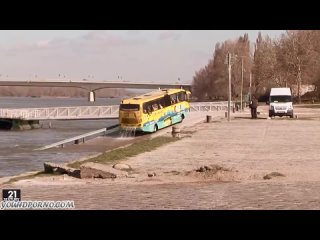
x=151, y=96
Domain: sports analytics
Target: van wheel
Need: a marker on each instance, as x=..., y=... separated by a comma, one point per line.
x=270, y=115
x=291, y=116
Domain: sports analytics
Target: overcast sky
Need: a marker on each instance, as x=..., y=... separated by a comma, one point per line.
x=132, y=55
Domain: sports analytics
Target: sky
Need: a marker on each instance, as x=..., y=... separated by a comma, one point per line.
x=159, y=56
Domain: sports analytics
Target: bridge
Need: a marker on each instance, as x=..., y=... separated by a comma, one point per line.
x=89, y=112
x=92, y=86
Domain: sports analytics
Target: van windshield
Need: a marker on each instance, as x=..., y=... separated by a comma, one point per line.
x=280, y=99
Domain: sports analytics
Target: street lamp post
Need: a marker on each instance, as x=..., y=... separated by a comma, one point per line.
x=229, y=92
x=241, y=84
x=250, y=86
x=229, y=60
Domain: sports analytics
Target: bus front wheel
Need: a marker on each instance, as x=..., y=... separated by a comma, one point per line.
x=155, y=129
x=182, y=117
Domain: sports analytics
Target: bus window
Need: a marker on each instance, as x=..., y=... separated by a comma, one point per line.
x=166, y=101
x=161, y=102
x=147, y=108
x=182, y=96
x=132, y=107
x=173, y=98
x=154, y=106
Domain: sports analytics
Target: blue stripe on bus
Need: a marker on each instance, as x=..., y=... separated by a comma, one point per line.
x=175, y=118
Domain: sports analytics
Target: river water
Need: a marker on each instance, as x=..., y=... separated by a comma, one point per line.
x=17, y=154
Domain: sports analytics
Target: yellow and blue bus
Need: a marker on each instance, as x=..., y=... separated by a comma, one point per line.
x=155, y=110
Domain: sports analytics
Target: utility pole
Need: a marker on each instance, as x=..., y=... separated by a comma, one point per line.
x=229, y=95
x=250, y=86
x=241, y=84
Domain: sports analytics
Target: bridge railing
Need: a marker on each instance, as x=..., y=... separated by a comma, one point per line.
x=59, y=113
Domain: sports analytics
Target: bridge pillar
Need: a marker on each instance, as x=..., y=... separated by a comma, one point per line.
x=92, y=96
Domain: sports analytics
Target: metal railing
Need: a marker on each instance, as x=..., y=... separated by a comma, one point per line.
x=209, y=106
x=90, y=112
x=82, y=138
x=61, y=113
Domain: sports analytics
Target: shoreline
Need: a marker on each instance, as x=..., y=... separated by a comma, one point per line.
x=101, y=145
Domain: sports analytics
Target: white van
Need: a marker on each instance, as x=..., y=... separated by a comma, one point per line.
x=280, y=102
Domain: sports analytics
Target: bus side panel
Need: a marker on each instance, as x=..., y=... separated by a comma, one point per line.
x=176, y=119
x=172, y=115
x=148, y=128
x=162, y=122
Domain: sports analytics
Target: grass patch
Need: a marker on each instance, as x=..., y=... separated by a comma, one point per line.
x=38, y=174
x=130, y=151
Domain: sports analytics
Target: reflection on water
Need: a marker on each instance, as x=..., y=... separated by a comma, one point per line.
x=17, y=153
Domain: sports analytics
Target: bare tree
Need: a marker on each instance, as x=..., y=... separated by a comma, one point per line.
x=298, y=57
x=212, y=80
x=264, y=67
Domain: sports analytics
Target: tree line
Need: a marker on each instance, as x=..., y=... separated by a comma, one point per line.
x=291, y=60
